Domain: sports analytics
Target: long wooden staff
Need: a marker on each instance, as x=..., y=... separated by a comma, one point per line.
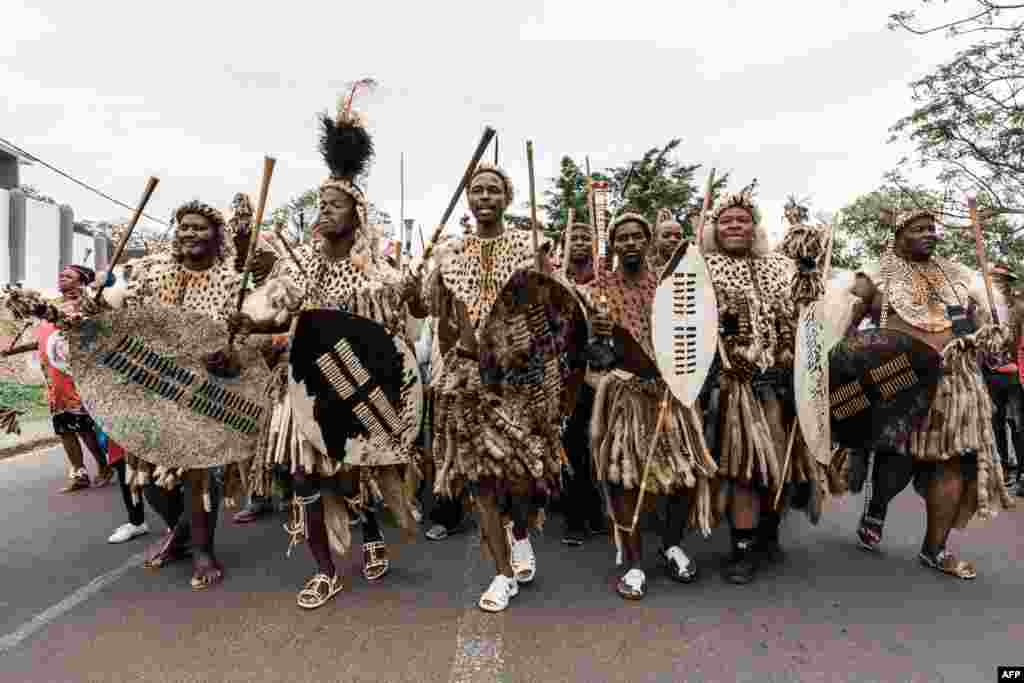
x=481, y=149
x=146, y=194
x=704, y=210
x=268, y=171
x=979, y=246
x=533, y=207
x=826, y=274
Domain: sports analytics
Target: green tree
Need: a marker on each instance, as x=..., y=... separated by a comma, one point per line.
x=968, y=123
x=655, y=181
x=569, y=191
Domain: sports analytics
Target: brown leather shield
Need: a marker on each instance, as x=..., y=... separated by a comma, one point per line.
x=881, y=386
x=534, y=339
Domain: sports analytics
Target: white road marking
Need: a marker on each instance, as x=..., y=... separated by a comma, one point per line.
x=51, y=614
x=479, y=645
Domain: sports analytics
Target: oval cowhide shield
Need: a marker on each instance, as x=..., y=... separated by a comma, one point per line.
x=684, y=324
x=881, y=386
x=355, y=388
x=141, y=373
x=535, y=336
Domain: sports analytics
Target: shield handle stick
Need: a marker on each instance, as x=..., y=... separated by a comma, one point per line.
x=146, y=194
x=826, y=274
x=481, y=148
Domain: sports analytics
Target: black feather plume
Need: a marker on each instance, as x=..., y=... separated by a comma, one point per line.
x=346, y=148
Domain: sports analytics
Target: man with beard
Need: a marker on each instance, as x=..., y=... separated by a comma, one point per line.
x=582, y=500
x=626, y=412
x=196, y=276
x=338, y=270
x=504, y=484
x=951, y=455
x=668, y=235
x=748, y=397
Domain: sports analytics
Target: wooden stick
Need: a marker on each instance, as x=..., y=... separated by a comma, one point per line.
x=478, y=154
x=647, y=465
x=268, y=171
x=146, y=194
x=704, y=210
x=16, y=350
x=979, y=246
x=565, y=240
x=533, y=207
x=401, y=214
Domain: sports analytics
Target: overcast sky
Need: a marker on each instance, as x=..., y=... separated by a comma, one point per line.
x=798, y=94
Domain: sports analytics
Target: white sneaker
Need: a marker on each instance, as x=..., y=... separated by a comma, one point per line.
x=497, y=595
x=127, y=532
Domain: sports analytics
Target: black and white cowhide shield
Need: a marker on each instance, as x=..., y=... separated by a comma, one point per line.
x=881, y=386
x=536, y=337
x=141, y=373
x=355, y=388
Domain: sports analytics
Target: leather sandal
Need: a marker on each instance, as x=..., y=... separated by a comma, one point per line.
x=165, y=551
x=946, y=563
x=869, y=534
x=375, y=560
x=319, y=590
x=206, y=573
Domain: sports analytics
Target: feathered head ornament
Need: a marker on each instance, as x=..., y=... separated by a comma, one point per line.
x=744, y=199
x=347, y=148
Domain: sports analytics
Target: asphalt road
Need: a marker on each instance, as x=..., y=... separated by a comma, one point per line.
x=73, y=608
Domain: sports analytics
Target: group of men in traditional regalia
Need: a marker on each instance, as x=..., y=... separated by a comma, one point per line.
x=552, y=384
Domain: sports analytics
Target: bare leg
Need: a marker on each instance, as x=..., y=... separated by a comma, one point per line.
x=492, y=530
x=316, y=528
x=90, y=441
x=623, y=505
x=73, y=449
x=941, y=503
x=206, y=570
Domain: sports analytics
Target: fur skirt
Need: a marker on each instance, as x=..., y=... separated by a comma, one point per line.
x=624, y=448
x=479, y=434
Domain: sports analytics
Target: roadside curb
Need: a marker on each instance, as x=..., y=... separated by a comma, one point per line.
x=30, y=445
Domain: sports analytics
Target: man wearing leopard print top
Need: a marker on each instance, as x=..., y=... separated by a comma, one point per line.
x=339, y=270
x=471, y=279
x=951, y=457
x=748, y=397
x=195, y=276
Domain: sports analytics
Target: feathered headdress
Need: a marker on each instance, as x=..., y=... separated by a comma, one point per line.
x=347, y=148
x=744, y=199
